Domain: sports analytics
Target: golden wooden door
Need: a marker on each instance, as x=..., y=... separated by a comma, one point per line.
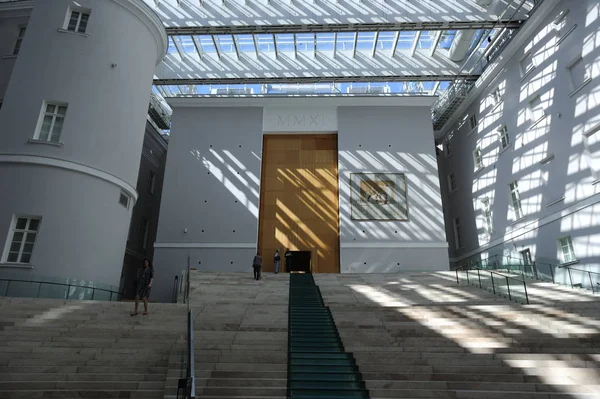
x=299, y=200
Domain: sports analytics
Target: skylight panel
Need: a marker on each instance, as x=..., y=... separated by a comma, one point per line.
x=208, y=46
x=305, y=41
x=385, y=41
x=447, y=39
x=405, y=41
x=265, y=42
x=285, y=42
x=245, y=43
x=345, y=41
x=426, y=40
x=325, y=41
x=365, y=40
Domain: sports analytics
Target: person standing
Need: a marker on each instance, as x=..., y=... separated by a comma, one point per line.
x=288, y=260
x=257, y=265
x=277, y=258
x=144, y=286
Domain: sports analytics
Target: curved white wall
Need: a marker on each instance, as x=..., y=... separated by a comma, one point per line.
x=105, y=76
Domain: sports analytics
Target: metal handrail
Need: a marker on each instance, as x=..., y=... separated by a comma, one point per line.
x=569, y=268
x=492, y=273
x=186, y=388
x=94, y=289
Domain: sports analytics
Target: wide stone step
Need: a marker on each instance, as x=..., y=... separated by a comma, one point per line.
x=87, y=393
x=16, y=376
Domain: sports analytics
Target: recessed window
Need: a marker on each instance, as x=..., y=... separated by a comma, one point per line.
x=451, y=182
x=19, y=40
x=536, y=110
x=515, y=198
x=504, y=137
x=124, y=199
x=566, y=249
x=561, y=20
x=78, y=20
x=144, y=234
x=448, y=148
x=152, y=182
x=497, y=96
x=578, y=73
x=478, y=158
x=486, y=208
x=51, y=122
x=458, y=242
x=22, y=237
x=472, y=122
x=526, y=64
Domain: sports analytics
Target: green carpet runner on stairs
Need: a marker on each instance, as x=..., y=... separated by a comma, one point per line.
x=318, y=366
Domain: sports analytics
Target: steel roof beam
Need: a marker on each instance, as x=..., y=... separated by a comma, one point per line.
x=436, y=42
x=328, y=28
x=197, y=45
x=395, y=44
x=315, y=79
x=415, y=44
x=374, y=50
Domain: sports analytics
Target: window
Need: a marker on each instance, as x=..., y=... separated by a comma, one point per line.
x=536, y=110
x=486, y=208
x=144, y=234
x=24, y=232
x=497, y=96
x=526, y=65
x=515, y=198
x=566, y=249
x=457, y=234
x=19, y=41
x=78, y=21
x=51, y=123
x=124, y=199
x=451, y=182
x=504, y=137
x=473, y=122
x=448, y=148
x=579, y=75
x=152, y=182
x=478, y=158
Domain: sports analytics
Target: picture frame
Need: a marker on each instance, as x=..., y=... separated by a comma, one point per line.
x=378, y=196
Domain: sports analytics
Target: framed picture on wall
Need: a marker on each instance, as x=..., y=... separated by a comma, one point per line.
x=378, y=196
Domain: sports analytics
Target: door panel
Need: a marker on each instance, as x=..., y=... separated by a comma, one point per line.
x=299, y=206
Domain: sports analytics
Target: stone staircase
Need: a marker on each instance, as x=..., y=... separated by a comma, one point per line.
x=241, y=334
x=82, y=349
x=420, y=335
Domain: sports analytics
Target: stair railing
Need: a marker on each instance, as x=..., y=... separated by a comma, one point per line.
x=186, y=387
x=589, y=274
x=496, y=281
x=71, y=291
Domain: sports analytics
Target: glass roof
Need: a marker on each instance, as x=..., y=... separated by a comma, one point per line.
x=427, y=88
x=366, y=41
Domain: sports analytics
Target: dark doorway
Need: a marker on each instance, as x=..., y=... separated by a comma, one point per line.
x=298, y=262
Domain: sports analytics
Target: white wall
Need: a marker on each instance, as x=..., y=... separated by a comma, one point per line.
x=560, y=197
x=210, y=203
x=391, y=139
x=212, y=181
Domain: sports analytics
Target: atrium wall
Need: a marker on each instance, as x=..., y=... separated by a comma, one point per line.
x=74, y=184
x=551, y=115
x=210, y=203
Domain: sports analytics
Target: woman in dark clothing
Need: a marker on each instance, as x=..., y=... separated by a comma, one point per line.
x=257, y=265
x=144, y=286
